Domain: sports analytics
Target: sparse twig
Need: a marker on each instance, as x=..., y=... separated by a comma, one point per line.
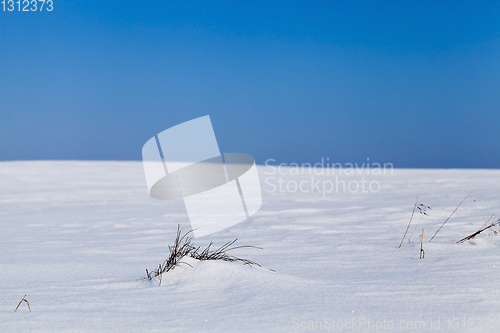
x=25, y=300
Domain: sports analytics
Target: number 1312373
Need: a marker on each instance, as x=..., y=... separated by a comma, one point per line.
x=27, y=5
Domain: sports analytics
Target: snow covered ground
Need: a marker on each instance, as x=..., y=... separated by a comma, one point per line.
x=76, y=237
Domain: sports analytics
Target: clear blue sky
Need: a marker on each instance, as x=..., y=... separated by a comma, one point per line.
x=413, y=83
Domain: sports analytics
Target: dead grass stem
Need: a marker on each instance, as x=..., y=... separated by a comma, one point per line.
x=450, y=216
x=25, y=300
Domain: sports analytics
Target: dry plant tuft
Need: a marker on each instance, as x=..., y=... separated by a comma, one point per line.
x=422, y=210
x=183, y=246
x=25, y=300
x=483, y=228
x=221, y=253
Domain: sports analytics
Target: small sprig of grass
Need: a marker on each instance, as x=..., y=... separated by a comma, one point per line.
x=422, y=209
x=221, y=253
x=183, y=246
x=483, y=228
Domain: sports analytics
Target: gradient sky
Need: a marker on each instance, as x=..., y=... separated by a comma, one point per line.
x=413, y=83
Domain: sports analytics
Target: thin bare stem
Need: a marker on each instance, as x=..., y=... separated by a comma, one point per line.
x=422, y=252
x=411, y=217
x=409, y=238
x=484, y=225
x=449, y=216
x=25, y=300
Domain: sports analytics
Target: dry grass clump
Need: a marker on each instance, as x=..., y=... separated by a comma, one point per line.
x=221, y=253
x=422, y=209
x=483, y=228
x=183, y=246
x=493, y=227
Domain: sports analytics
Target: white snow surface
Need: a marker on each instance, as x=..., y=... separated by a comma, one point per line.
x=77, y=236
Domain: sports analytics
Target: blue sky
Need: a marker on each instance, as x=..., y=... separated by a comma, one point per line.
x=413, y=83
